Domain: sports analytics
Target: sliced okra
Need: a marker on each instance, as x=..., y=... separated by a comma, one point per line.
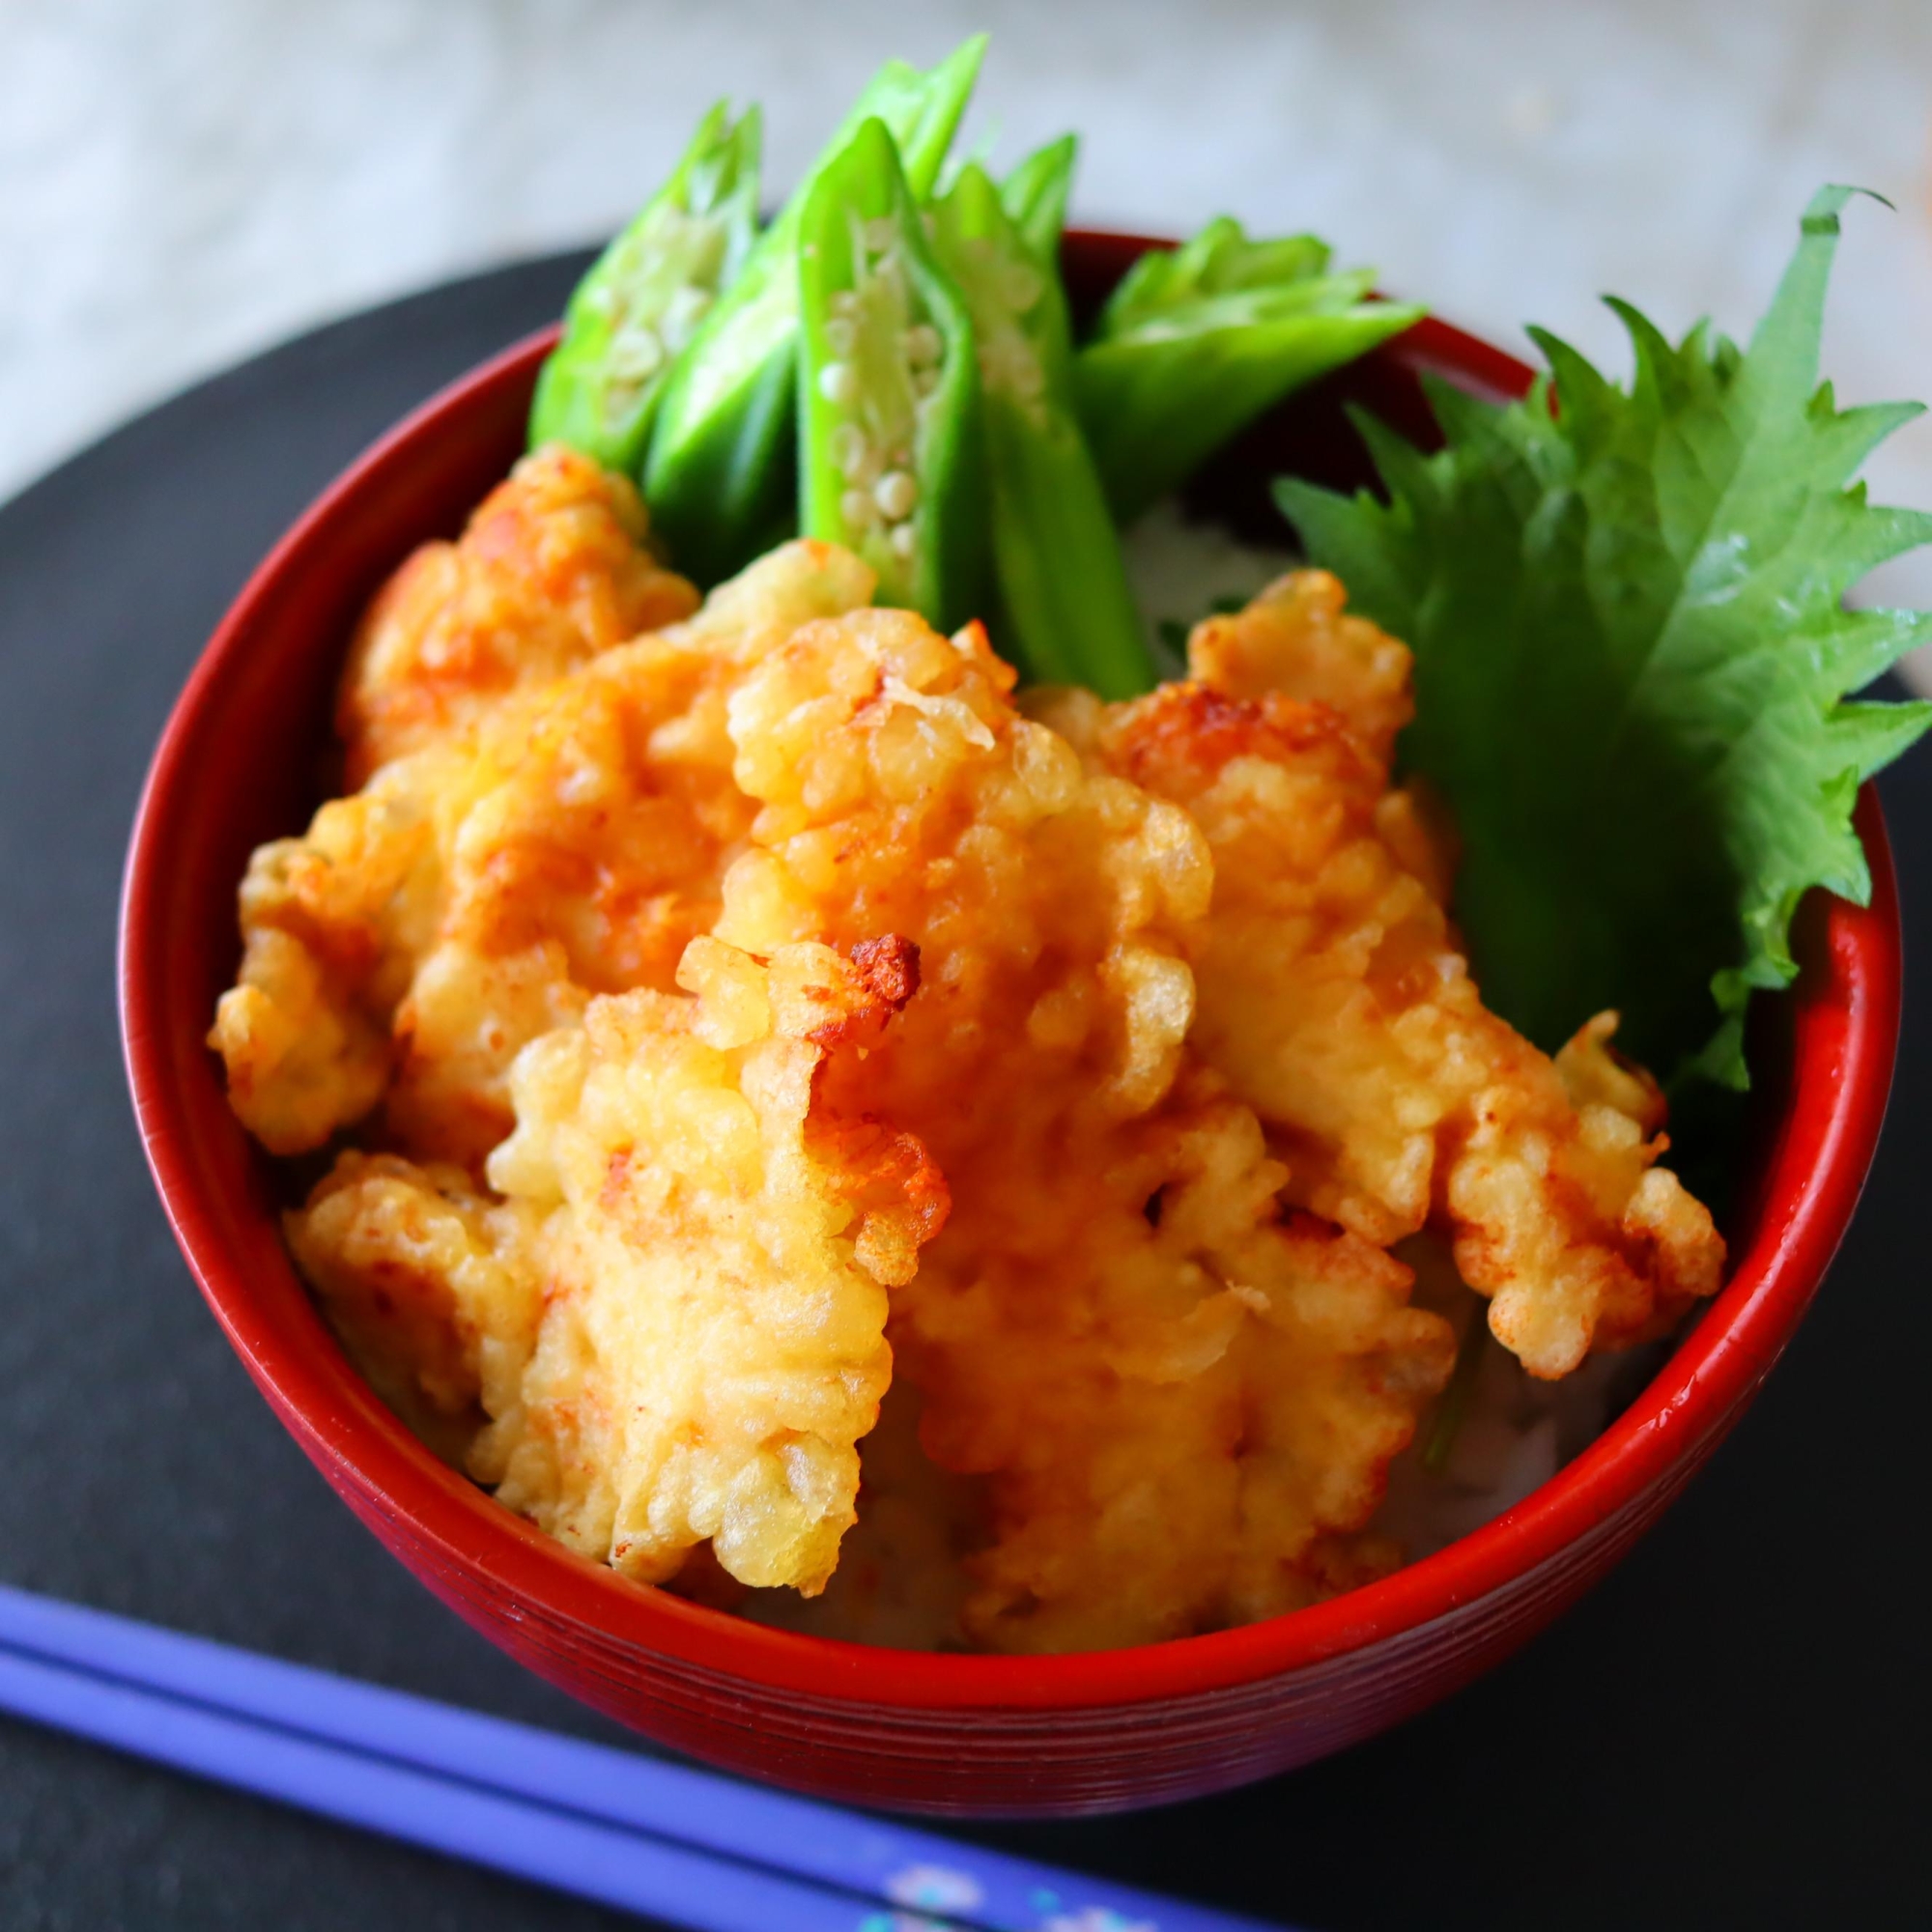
x=891, y=463
x=718, y=473
x=644, y=296
x=1065, y=612
x=1035, y=196
x=1197, y=341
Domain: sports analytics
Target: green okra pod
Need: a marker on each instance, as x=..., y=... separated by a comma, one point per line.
x=890, y=464
x=1197, y=341
x=1035, y=196
x=719, y=472
x=1066, y=613
x=646, y=296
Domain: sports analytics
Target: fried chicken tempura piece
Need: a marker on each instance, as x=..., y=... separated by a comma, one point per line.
x=551, y=569
x=1108, y=1328
x=739, y=954
x=1186, y=1407
x=567, y=841
x=899, y=790
x=331, y=924
x=429, y=1282
x=1296, y=638
x=715, y=1248
x=674, y=1318
x=585, y=838
x=1336, y=1001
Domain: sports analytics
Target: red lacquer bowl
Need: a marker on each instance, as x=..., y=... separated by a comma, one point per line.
x=964, y=1735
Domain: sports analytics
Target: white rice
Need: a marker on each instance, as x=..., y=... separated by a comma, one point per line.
x=1515, y=1435
x=1179, y=570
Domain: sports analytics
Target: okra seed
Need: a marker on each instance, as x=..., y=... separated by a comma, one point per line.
x=682, y=313
x=837, y=384
x=841, y=334
x=896, y=493
x=922, y=345
x=849, y=450
x=859, y=509
x=636, y=353
x=881, y=233
x=925, y=381
x=1022, y=287
x=903, y=542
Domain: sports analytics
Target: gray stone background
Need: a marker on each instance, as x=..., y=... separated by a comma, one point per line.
x=183, y=183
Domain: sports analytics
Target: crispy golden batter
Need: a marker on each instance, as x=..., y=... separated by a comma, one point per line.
x=1190, y=1429
x=730, y=997
x=900, y=1582
x=717, y=1244
x=567, y=841
x=331, y=924
x=428, y=1281
x=583, y=839
x=1336, y=1001
x=551, y=569
x=676, y=1323
x=1296, y=638
x=1183, y=1408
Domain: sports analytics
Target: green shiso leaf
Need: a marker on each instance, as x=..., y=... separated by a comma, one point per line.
x=1631, y=662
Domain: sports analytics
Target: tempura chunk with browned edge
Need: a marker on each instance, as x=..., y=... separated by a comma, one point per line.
x=551, y=569
x=1296, y=637
x=1185, y=1405
x=1336, y=1001
x=430, y=1283
x=333, y=924
x=715, y=1241
x=567, y=842
x=583, y=839
x=1102, y=1327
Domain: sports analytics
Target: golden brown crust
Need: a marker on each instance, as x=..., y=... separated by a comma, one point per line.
x=1115, y=1378
x=715, y=1242
x=567, y=841
x=1296, y=639
x=551, y=569
x=722, y=994
x=1336, y=1000
x=427, y=1280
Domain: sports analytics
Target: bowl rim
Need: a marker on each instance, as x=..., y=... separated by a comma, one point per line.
x=1845, y=1018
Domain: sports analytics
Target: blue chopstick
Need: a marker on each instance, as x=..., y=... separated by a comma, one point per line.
x=627, y=1829
x=635, y=1873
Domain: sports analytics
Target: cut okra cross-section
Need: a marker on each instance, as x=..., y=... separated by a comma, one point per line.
x=891, y=458
x=718, y=473
x=644, y=296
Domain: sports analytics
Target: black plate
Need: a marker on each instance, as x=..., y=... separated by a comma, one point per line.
x=1729, y=1732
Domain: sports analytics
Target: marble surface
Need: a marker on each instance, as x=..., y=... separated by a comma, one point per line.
x=181, y=184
